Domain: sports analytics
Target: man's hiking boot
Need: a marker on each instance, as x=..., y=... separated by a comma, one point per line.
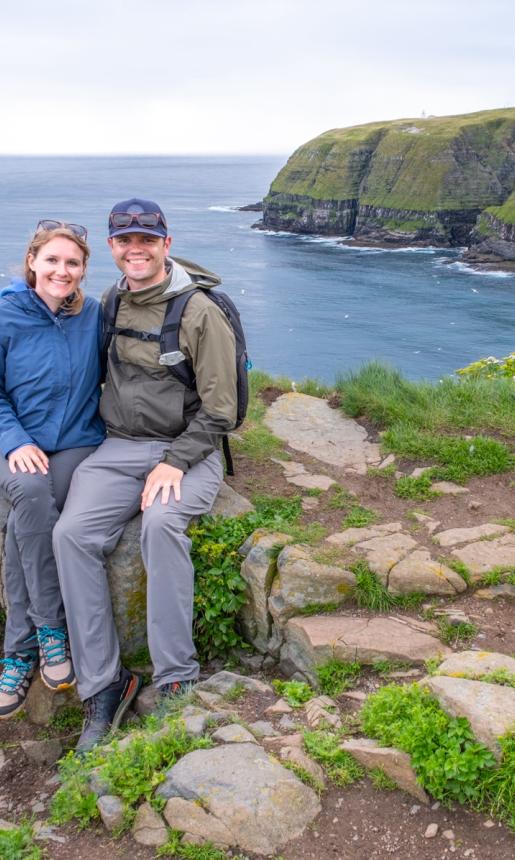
x=15, y=681
x=106, y=709
x=55, y=664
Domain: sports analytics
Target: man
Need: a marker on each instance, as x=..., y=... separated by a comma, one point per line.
x=161, y=456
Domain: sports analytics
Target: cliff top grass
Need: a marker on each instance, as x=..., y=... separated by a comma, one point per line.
x=450, y=162
x=506, y=212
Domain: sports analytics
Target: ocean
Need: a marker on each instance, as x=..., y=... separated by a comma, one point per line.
x=311, y=306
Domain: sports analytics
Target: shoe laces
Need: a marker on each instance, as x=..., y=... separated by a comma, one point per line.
x=15, y=671
x=52, y=641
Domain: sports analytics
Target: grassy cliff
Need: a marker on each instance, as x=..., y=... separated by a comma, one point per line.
x=427, y=178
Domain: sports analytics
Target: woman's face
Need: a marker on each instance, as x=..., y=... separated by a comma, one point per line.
x=59, y=268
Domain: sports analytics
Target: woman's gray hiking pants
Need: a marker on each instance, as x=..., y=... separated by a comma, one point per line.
x=105, y=494
x=31, y=581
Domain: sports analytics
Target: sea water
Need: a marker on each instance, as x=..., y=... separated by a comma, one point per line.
x=311, y=306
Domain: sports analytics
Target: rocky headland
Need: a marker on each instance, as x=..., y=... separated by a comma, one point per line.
x=444, y=181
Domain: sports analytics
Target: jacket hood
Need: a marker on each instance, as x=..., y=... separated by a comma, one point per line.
x=17, y=285
x=182, y=275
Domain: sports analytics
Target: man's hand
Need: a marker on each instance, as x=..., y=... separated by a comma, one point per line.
x=163, y=477
x=28, y=458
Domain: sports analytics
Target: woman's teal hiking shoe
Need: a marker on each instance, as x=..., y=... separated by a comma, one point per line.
x=15, y=682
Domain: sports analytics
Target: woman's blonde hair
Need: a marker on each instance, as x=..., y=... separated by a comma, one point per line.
x=73, y=304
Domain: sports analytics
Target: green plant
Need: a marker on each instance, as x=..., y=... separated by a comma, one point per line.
x=415, y=488
x=447, y=758
x=497, y=575
x=219, y=587
x=18, y=844
x=317, y=608
x=339, y=498
x=313, y=491
x=304, y=775
x=67, y=720
x=381, y=780
x=188, y=851
x=335, y=676
x=324, y=747
x=131, y=773
x=490, y=368
x=385, y=667
x=358, y=517
x=455, y=634
x=369, y=591
x=296, y=693
x=258, y=443
x=432, y=664
x=385, y=473
x=507, y=521
x=236, y=692
x=460, y=568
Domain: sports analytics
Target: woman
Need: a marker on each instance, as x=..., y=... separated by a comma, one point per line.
x=50, y=336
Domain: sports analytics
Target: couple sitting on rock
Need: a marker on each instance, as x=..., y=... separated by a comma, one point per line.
x=79, y=462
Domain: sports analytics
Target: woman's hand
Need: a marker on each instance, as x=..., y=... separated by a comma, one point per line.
x=28, y=458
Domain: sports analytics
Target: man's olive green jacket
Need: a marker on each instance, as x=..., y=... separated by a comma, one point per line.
x=142, y=399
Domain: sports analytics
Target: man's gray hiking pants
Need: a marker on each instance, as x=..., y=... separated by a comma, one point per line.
x=104, y=495
x=31, y=581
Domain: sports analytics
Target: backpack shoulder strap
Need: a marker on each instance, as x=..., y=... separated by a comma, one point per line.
x=169, y=339
x=110, y=309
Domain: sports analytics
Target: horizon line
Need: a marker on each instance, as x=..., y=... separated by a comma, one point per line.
x=141, y=154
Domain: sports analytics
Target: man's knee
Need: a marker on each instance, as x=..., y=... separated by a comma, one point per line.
x=160, y=519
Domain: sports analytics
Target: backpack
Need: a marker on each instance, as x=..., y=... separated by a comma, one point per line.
x=168, y=340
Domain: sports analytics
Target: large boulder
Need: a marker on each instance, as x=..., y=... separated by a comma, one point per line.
x=260, y=804
x=489, y=708
x=126, y=574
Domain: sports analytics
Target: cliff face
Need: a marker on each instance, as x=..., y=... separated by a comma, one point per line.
x=493, y=238
x=406, y=181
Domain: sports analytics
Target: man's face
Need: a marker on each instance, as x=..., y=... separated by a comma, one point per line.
x=141, y=258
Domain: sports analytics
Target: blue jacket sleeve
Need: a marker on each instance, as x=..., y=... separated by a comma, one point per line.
x=12, y=434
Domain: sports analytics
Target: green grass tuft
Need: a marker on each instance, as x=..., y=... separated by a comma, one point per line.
x=335, y=676
x=359, y=517
x=18, y=844
x=381, y=780
x=324, y=747
x=418, y=489
x=296, y=693
x=456, y=634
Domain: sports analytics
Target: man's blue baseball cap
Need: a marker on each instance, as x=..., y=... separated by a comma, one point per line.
x=137, y=216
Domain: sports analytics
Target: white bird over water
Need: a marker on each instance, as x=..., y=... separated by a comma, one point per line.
x=474, y=290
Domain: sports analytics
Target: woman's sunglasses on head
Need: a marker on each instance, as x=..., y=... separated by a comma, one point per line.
x=49, y=224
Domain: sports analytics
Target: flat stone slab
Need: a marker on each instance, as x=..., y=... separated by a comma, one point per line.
x=428, y=522
x=233, y=734
x=503, y=589
x=188, y=816
x=261, y=804
x=149, y=828
x=450, y=537
x=476, y=663
x=419, y=572
x=490, y=708
x=382, y=553
x=482, y=556
x=355, y=535
x=311, y=482
x=395, y=763
x=223, y=682
x=447, y=488
x=309, y=425
x=317, y=639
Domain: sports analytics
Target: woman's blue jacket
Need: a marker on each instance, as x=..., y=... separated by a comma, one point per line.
x=49, y=373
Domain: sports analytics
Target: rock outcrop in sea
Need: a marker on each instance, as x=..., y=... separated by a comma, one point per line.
x=442, y=181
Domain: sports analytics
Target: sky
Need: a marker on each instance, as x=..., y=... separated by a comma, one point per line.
x=240, y=76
